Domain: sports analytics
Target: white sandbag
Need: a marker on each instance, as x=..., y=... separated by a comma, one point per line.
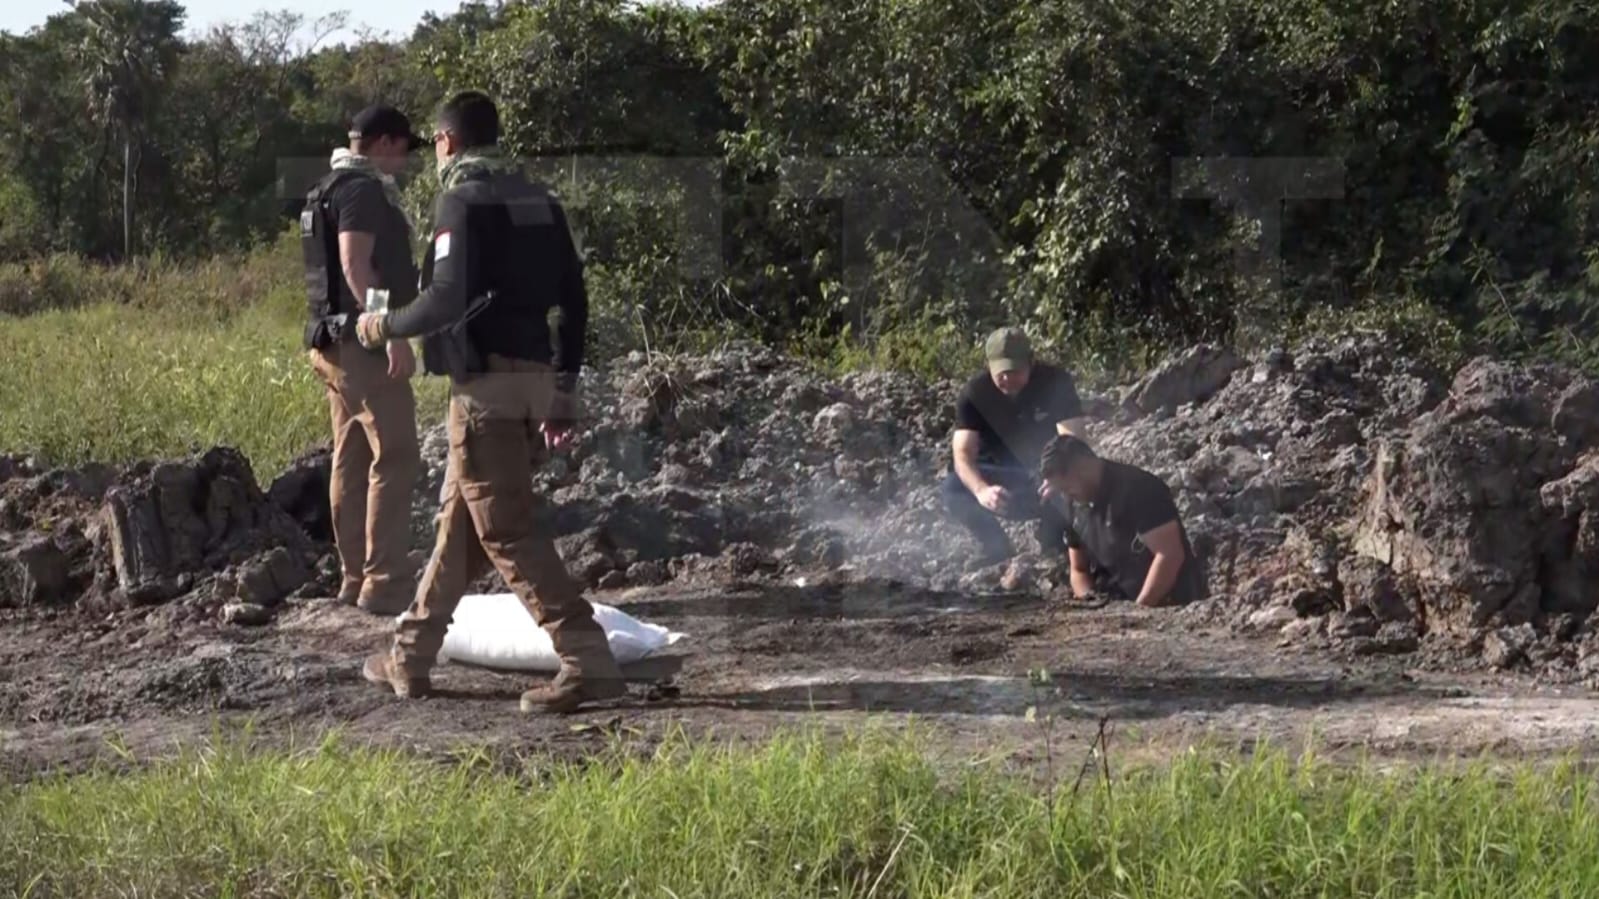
x=495, y=629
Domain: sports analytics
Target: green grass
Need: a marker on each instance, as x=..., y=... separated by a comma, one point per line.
x=797, y=817
x=165, y=362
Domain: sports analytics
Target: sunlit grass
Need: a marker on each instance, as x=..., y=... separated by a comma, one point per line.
x=121, y=381
x=800, y=816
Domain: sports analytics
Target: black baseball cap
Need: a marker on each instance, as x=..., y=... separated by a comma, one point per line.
x=385, y=121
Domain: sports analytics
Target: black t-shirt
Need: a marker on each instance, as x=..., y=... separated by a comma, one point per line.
x=1131, y=502
x=362, y=205
x=1014, y=431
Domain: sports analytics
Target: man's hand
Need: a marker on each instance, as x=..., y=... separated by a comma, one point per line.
x=402, y=361
x=559, y=429
x=372, y=328
x=558, y=435
x=1165, y=544
x=1082, y=577
x=993, y=497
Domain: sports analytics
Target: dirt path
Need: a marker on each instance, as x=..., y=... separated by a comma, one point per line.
x=74, y=690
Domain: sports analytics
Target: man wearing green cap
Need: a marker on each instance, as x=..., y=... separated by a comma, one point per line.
x=1003, y=419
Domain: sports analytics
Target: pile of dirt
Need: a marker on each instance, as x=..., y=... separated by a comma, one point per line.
x=1350, y=498
x=1358, y=501
x=741, y=464
x=196, y=534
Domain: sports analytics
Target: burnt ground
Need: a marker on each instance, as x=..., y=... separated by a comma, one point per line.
x=76, y=690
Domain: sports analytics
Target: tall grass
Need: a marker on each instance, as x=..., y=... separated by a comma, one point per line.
x=218, y=284
x=797, y=817
x=159, y=360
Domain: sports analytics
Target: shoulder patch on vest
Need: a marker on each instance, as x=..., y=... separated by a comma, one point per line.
x=441, y=245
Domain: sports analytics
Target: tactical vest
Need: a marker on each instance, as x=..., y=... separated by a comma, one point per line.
x=324, y=275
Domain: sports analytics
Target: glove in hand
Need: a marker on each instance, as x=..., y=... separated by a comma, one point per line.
x=372, y=329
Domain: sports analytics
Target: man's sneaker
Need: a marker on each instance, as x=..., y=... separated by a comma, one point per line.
x=567, y=694
x=380, y=669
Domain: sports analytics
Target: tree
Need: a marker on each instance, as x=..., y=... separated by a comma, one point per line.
x=129, y=50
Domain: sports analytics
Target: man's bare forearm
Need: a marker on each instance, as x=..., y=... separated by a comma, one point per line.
x=1161, y=578
x=966, y=470
x=1082, y=583
x=1082, y=578
x=355, y=261
x=360, y=277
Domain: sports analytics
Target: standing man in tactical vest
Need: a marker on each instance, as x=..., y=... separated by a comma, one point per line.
x=356, y=237
x=502, y=259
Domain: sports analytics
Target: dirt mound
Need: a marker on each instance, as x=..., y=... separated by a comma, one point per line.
x=197, y=533
x=741, y=463
x=1354, y=499
x=1348, y=497
x=1360, y=501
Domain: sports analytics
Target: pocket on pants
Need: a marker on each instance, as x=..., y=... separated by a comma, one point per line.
x=456, y=428
x=324, y=371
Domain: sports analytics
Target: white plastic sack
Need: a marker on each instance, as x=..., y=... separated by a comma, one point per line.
x=496, y=630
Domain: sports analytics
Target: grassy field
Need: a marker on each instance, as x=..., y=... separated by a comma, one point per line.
x=158, y=359
x=164, y=360
x=797, y=817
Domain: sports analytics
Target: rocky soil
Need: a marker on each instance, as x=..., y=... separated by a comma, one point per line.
x=1343, y=497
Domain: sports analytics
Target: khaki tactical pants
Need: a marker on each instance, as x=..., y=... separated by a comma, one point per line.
x=376, y=460
x=490, y=516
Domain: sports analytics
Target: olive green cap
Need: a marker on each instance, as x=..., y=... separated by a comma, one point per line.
x=1008, y=349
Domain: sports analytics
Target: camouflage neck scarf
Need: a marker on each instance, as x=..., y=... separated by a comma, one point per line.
x=344, y=158
x=476, y=161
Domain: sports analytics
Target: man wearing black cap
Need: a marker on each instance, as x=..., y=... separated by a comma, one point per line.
x=1003, y=419
x=357, y=244
x=502, y=260
x=1122, y=528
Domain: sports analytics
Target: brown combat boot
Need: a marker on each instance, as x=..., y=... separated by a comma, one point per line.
x=350, y=593
x=381, y=670
x=386, y=604
x=570, y=690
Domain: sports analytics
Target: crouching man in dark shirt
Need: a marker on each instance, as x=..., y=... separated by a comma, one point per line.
x=1003, y=418
x=1122, y=526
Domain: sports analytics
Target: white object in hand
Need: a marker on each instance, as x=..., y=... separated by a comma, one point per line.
x=377, y=300
x=496, y=630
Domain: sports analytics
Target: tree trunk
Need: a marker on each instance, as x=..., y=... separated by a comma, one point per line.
x=127, y=209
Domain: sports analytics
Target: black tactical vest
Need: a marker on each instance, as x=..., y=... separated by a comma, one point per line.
x=324, y=276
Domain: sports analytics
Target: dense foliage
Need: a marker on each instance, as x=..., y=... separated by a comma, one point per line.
x=804, y=168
